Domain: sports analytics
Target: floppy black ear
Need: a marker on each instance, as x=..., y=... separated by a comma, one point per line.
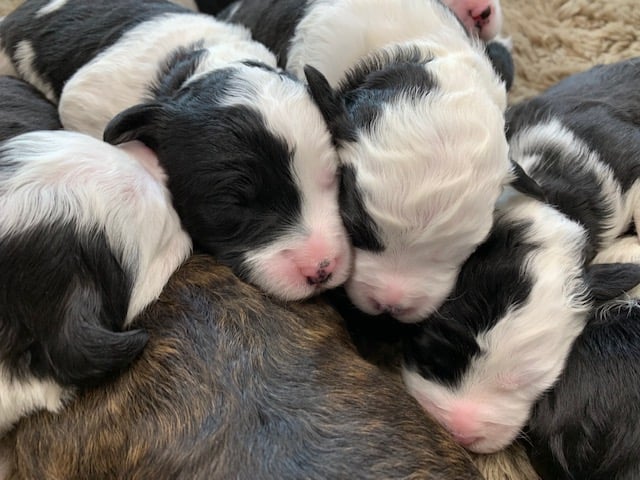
x=610, y=280
x=523, y=183
x=331, y=105
x=139, y=122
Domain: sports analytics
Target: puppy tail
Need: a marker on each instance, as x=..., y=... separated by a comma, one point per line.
x=87, y=347
x=95, y=354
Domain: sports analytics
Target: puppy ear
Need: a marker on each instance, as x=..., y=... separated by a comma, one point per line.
x=522, y=182
x=139, y=122
x=83, y=351
x=331, y=105
x=610, y=280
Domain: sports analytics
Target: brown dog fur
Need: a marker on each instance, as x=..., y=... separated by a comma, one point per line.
x=235, y=385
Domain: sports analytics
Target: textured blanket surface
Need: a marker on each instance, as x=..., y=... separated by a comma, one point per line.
x=551, y=39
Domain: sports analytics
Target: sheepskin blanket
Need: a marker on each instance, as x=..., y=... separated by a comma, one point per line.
x=551, y=39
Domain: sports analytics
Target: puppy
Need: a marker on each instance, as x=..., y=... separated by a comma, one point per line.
x=24, y=109
x=250, y=161
x=88, y=238
x=522, y=298
x=587, y=425
x=234, y=384
x=423, y=146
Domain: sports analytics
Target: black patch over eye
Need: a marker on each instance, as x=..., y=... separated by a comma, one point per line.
x=441, y=350
x=360, y=226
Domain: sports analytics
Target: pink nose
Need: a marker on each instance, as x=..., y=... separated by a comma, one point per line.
x=482, y=17
x=320, y=273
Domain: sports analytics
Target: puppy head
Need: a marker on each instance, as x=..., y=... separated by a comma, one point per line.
x=88, y=237
x=425, y=158
x=253, y=174
x=502, y=338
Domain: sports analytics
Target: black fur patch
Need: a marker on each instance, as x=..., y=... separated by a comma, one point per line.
x=359, y=224
x=382, y=78
x=63, y=300
x=587, y=425
x=179, y=66
x=601, y=107
x=24, y=109
x=94, y=25
x=229, y=175
x=574, y=191
x=272, y=22
x=490, y=282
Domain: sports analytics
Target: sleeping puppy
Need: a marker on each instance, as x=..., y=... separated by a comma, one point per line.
x=88, y=238
x=234, y=384
x=24, y=109
x=481, y=18
x=588, y=425
x=503, y=336
x=423, y=146
x=250, y=161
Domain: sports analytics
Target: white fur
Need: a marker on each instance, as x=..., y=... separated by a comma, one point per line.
x=430, y=174
x=625, y=205
x=19, y=398
x=50, y=7
x=332, y=36
x=120, y=76
x=525, y=352
x=24, y=56
x=432, y=169
x=62, y=176
x=315, y=166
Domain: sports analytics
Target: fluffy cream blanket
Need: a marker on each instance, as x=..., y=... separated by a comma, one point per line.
x=551, y=39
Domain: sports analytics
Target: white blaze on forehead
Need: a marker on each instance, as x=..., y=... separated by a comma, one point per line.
x=67, y=177
x=24, y=56
x=51, y=7
x=291, y=115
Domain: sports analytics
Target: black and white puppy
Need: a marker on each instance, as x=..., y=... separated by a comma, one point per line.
x=503, y=336
x=88, y=238
x=420, y=132
x=250, y=161
x=588, y=425
x=236, y=385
